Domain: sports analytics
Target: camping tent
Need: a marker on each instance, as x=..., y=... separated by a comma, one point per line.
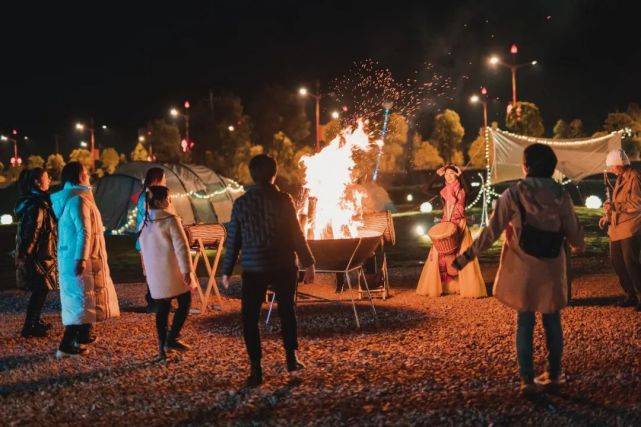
x=198, y=194
x=578, y=158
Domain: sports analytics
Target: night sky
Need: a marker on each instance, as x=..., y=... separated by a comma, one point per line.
x=125, y=64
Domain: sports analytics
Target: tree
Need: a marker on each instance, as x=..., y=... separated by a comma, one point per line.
x=82, y=156
x=35, y=162
x=617, y=121
x=392, y=159
x=331, y=130
x=165, y=138
x=424, y=154
x=13, y=173
x=220, y=127
x=476, y=153
x=110, y=159
x=55, y=163
x=448, y=133
x=140, y=153
x=240, y=162
x=565, y=130
x=277, y=109
x=525, y=119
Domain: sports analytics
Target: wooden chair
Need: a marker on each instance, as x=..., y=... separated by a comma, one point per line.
x=202, y=237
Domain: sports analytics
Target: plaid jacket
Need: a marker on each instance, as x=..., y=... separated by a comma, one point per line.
x=265, y=230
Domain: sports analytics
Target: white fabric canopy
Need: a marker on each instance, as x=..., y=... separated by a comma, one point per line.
x=578, y=158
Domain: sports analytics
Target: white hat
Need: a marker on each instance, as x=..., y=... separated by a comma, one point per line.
x=617, y=158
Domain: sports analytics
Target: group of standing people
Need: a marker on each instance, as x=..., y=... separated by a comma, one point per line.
x=60, y=240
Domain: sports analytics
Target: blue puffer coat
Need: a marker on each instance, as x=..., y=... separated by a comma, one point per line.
x=90, y=297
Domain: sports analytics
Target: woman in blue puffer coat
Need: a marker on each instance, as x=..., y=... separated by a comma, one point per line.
x=87, y=294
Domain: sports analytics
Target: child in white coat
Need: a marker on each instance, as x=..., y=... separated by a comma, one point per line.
x=170, y=274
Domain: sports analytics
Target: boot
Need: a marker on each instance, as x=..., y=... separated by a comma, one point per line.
x=255, y=376
x=176, y=344
x=293, y=364
x=34, y=330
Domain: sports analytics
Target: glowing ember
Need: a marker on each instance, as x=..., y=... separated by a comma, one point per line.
x=335, y=209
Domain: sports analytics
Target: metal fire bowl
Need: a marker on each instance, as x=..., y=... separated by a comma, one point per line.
x=336, y=254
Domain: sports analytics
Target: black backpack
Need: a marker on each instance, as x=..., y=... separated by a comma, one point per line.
x=538, y=243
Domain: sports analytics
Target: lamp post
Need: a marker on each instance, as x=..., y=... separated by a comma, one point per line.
x=387, y=107
x=317, y=97
x=174, y=112
x=513, y=67
x=92, y=139
x=475, y=99
x=15, y=160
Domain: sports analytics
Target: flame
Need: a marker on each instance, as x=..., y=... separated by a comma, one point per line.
x=335, y=208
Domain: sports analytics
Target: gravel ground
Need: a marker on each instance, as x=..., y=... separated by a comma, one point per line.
x=427, y=361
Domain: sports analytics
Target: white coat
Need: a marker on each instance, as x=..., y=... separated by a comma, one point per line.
x=165, y=253
x=90, y=297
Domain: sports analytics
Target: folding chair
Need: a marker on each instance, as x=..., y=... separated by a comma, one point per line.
x=202, y=237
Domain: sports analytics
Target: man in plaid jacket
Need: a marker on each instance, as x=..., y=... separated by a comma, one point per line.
x=264, y=229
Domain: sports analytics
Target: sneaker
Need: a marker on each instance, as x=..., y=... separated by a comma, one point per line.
x=177, y=345
x=293, y=364
x=527, y=389
x=255, y=378
x=545, y=379
x=64, y=352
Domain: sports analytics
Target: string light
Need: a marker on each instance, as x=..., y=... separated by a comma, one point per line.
x=130, y=225
x=231, y=187
x=558, y=143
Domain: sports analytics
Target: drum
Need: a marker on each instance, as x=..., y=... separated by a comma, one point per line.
x=445, y=237
x=208, y=234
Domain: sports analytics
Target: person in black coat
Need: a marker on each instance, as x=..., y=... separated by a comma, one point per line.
x=265, y=230
x=35, y=255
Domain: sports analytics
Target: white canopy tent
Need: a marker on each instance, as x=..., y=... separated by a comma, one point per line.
x=578, y=158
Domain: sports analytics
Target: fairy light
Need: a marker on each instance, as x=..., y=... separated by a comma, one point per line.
x=558, y=143
x=233, y=186
x=130, y=225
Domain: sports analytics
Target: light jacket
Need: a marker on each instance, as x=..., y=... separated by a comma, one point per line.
x=625, y=216
x=165, y=253
x=524, y=282
x=90, y=297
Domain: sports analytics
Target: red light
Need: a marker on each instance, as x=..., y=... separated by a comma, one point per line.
x=483, y=91
x=14, y=132
x=186, y=104
x=514, y=49
x=184, y=145
x=344, y=107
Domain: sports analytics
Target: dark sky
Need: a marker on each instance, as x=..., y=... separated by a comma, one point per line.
x=126, y=63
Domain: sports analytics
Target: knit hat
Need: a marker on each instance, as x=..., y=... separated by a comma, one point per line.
x=617, y=158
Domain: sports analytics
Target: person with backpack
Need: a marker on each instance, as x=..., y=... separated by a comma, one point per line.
x=537, y=216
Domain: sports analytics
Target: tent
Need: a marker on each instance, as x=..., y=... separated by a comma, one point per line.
x=578, y=158
x=198, y=194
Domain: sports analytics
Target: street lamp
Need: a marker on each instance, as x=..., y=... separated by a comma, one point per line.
x=475, y=99
x=494, y=60
x=335, y=115
x=15, y=160
x=317, y=97
x=83, y=144
x=174, y=112
x=231, y=128
x=92, y=140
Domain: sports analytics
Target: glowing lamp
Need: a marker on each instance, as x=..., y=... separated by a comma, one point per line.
x=231, y=128
x=474, y=99
x=335, y=115
x=419, y=230
x=302, y=91
x=483, y=91
x=83, y=144
x=6, y=219
x=187, y=104
x=534, y=62
x=3, y=138
x=104, y=127
x=514, y=49
x=494, y=60
x=141, y=138
x=80, y=126
x=426, y=207
x=173, y=112
x=409, y=197
x=593, y=202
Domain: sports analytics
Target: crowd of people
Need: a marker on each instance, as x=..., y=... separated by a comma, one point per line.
x=60, y=244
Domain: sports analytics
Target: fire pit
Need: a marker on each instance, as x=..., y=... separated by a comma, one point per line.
x=341, y=255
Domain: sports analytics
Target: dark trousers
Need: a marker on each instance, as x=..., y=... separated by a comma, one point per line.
x=73, y=334
x=34, y=308
x=625, y=260
x=525, y=338
x=283, y=283
x=163, y=307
